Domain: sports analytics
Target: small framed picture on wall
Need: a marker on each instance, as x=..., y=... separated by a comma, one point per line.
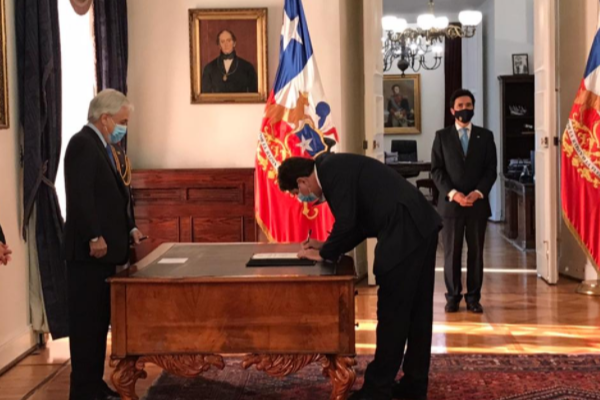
x=520, y=64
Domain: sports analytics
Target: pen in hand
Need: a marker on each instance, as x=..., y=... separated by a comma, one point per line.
x=307, y=241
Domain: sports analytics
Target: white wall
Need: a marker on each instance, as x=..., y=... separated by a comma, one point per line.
x=166, y=131
x=15, y=332
x=578, y=25
x=508, y=29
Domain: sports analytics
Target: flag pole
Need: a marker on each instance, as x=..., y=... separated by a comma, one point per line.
x=589, y=288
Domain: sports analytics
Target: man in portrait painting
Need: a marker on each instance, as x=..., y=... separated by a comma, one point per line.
x=399, y=112
x=229, y=73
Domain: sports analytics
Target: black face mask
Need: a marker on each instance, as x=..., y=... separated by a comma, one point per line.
x=465, y=116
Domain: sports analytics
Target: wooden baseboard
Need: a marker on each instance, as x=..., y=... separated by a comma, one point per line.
x=16, y=349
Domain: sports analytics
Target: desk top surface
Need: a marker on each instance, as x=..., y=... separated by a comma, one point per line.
x=226, y=261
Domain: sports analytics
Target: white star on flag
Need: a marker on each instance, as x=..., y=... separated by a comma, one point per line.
x=305, y=144
x=289, y=31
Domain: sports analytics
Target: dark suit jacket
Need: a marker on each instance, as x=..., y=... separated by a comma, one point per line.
x=242, y=77
x=97, y=202
x=451, y=169
x=369, y=199
x=2, y=238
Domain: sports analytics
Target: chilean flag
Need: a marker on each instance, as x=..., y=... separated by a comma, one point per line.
x=297, y=123
x=580, y=160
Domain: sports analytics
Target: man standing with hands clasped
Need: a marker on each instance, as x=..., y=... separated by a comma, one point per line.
x=463, y=166
x=98, y=231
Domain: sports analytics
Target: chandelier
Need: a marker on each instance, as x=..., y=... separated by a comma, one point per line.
x=412, y=46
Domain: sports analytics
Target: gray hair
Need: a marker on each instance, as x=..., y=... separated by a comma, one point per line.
x=108, y=101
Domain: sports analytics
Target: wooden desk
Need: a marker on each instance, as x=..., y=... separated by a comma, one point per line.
x=520, y=213
x=410, y=168
x=182, y=317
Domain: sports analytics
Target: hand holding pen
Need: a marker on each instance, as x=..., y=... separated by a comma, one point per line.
x=310, y=243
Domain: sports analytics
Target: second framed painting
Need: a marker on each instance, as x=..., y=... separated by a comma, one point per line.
x=228, y=50
x=402, y=113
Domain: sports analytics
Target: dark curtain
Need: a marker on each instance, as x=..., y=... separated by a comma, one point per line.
x=112, y=51
x=40, y=95
x=453, y=72
x=110, y=28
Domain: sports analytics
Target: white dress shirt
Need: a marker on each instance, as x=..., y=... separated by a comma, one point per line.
x=227, y=64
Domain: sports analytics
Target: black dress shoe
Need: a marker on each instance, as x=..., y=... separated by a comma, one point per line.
x=404, y=392
x=451, y=307
x=475, y=308
x=363, y=395
x=107, y=391
x=102, y=396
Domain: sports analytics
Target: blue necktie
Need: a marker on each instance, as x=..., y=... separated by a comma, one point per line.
x=464, y=140
x=110, y=155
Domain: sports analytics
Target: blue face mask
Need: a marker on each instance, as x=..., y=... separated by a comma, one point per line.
x=118, y=133
x=307, y=198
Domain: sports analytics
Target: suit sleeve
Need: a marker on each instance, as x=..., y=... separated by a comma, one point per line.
x=491, y=165
x=2, y=238
x=80, y=170
x=130, y=211
x=438, y=168
x=346, y=234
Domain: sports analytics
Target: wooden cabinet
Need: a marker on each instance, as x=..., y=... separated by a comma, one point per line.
x=519, y=226
x=517, y=118
x=202, y=205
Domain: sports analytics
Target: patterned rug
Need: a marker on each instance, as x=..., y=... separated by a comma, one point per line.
x=453, y=377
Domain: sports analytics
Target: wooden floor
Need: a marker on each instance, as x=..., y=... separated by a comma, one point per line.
x=522, y=315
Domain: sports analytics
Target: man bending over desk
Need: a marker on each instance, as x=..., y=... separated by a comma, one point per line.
x=370, y=200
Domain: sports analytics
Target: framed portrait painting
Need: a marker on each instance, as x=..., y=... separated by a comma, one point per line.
x=4, y=120
x=402, y=102
x=228, y=50
x=520, y=64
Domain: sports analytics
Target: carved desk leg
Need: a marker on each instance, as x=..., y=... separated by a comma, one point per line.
x=125, y=376
x=341, y=372
x=130, y=369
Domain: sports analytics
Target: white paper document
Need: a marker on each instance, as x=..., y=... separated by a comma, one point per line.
x=173, y=261
x=275, y=256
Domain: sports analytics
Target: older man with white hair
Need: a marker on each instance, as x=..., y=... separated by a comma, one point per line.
x=98, y=231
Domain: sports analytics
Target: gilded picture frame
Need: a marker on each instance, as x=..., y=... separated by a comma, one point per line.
x=402, y=104
x=4, y=100
x=244, y=80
